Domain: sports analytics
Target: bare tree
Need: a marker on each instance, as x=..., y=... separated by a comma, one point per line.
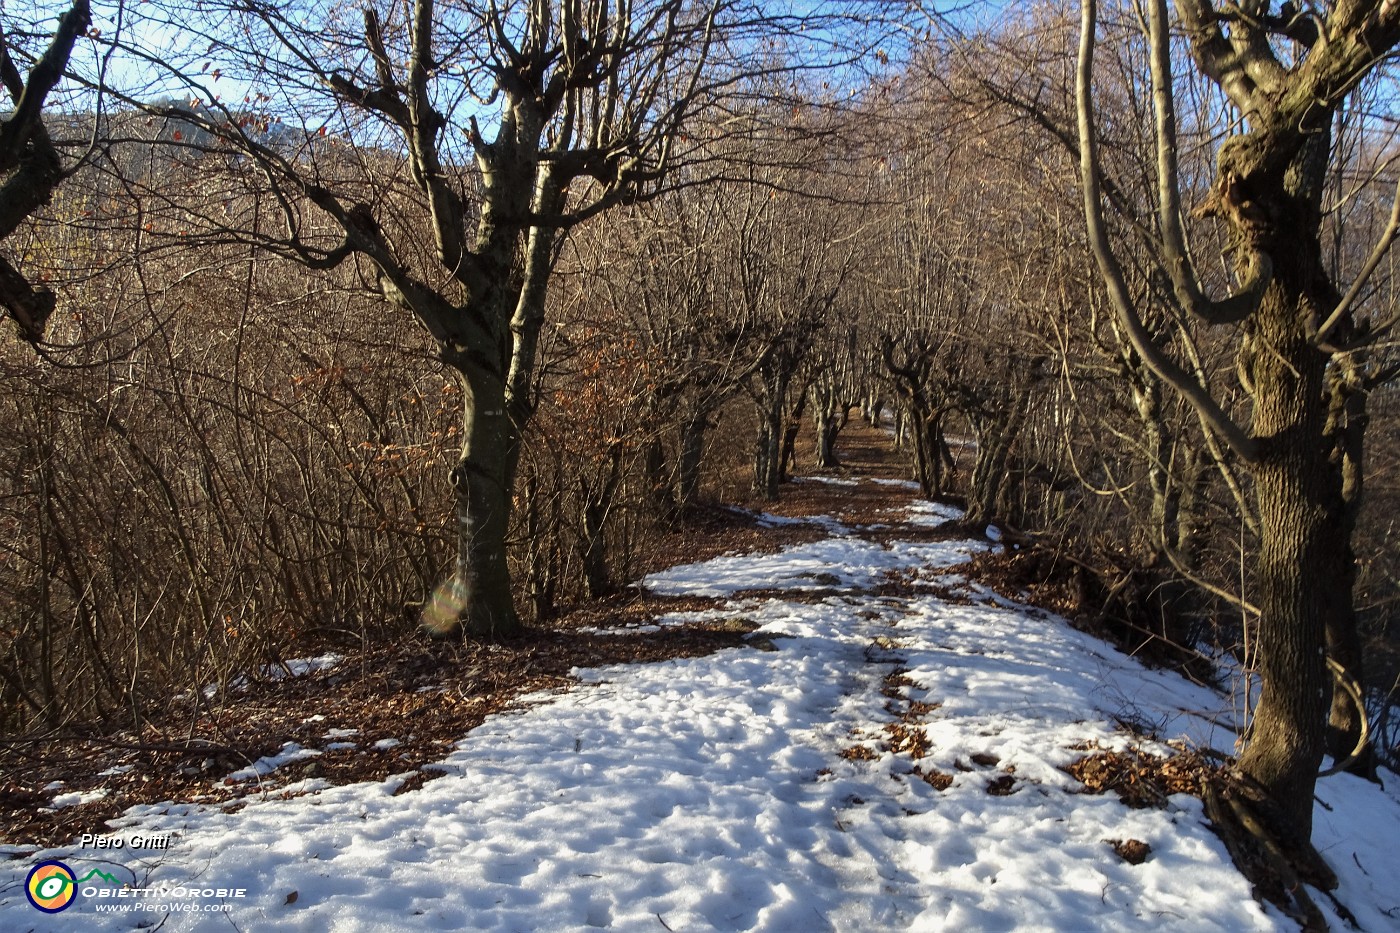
x=703, y=340
x=835, y=369
x=1301, y=343
x=516, y=120
x=30, y=163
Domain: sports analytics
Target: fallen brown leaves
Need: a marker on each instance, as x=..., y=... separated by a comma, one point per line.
x=859, y=753
x=895, y=683
x=916, y=710
x=1132, y=851
x=425, y=695
x=907, y=740
x=1032, y=574
x=934, y=778
x=1144, y=780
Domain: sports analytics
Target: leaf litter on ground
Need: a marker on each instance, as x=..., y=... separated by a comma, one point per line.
x=900, y=760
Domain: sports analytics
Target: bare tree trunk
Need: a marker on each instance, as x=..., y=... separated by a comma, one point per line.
x=1175, y=602
x=996, y=433
x=770, y=397
x=988, y=472
x=32, y=164
x=691, y=454
x=1268, y=196
x=1147, y=401
x=597, y=507
x=1347, y=422
x=920, y=412
x=1304, y=568
x=833, y=381
x=872, y=408
x=790, y=431
x=659, y=492
x=931, y=456
x=830, y=414
x=767, y=464
x=597, y=579
x=829, y=425
x=542, y=532
x=478, y=599
x=1301, y=543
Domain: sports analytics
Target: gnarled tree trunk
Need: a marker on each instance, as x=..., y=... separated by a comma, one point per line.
x=1347, y=421
x=1304, y=568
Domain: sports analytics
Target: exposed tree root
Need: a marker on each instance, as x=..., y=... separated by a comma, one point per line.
x=1281, y=869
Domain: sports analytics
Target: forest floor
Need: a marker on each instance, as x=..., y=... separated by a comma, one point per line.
x=840, y=712
x=208, y=749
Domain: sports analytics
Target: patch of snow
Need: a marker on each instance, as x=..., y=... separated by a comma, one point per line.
x=631, y=628
x=77, y=797
x=833, y=562
x=300, y=667
x=897, y=483
x=116, y=769
x=933, y=514
x=264, y=766
x=765, y=519
x=769, y=520
x=296, y=667
x=830, y=525
x=709, y=792
x=1354, y=825
x=385, y=744
x=303, y=787
x=826, y=480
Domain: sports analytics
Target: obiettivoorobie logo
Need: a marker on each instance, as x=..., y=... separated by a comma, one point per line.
x=52, y=886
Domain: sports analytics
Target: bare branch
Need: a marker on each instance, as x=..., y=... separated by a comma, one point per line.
x=1241, y=443
x=1176, y=258
x=1382, y=247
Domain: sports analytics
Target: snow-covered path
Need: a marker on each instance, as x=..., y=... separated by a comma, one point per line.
x=711, y=793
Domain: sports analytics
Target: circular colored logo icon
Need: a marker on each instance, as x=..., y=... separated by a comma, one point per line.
x=50, y=886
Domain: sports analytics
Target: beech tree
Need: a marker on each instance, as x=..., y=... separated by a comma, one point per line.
x=513, y=120
x=1301, y=341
